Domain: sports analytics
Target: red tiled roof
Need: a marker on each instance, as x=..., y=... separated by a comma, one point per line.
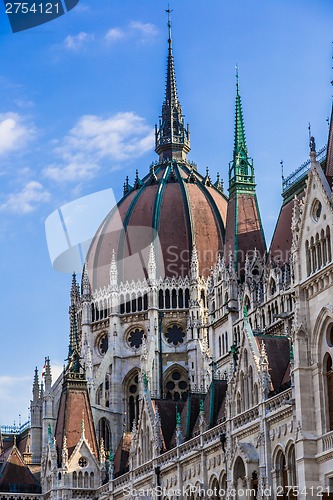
x=73, y=408
x=16, y=472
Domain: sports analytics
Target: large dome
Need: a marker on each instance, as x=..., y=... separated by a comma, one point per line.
x=175, y=207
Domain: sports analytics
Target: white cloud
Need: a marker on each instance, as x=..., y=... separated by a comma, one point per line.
x=26, y=200
x=75, y=42
x=115, y=34
x=144, y=32
x=123, y=136
x=15, y=132
x=147, y=30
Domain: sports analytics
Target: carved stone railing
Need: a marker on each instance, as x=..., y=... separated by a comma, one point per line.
x=327, y=441
x=246, y=417
x=20, y=496
x=278, y=401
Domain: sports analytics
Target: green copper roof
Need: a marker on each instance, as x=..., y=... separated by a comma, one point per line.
x=241, y=171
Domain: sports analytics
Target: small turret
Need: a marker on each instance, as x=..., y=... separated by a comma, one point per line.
x=35, y=387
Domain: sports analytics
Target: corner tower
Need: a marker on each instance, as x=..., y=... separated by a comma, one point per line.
x=244, y=231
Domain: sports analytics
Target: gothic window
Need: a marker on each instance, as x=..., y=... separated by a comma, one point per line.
x=132, y=398
x=238, y=403
x=255, y=394
x=176, y=385
x=226, y=342
x=247, y=303
x=83, y=462
x=135, y=338
x=145, y=302
x=122, y=304
x=272, y=287
x=160, y=299
x=128, y=303
x=180, y=298
x=92, y=482
x=328, y=236
x=74, y=479
x=175, y=335
x=99, y=394
x=291, y=466
x=316, y=210
x=329, y=388
x=80, y=480
x=187, y=297
x=250, y=384
x=281, y=471
x=174, y=299
x=220, y=347
x=139, y=302
x=167, y=299
x=103, y=343
x=103, y=432
x=133, y=302
x=86, y=480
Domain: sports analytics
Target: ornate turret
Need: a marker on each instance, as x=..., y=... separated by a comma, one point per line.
x=172, y=139
x=244, y=232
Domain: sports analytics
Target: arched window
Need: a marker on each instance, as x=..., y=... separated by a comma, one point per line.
x=128, y=303
x=99, y=395
x=328, y=236
x=291, y=466
x=329, y=388
x=74, y=479
x=133, y=302
x=187, y=297
x=180, y=298
x=174, y=299
x=92, y=482
x=122, y=304
x=161, y=299
x=103, y=432
x=145, y=301
x=281, y=471
x=132, y=398
x=176, y=384
x=167, y=299
x=86, y=480
x=139, y=302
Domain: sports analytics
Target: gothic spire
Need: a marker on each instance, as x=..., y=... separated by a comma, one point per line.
x=241, y=171
x=35, y=387
x=73, y=347
x=172, y=139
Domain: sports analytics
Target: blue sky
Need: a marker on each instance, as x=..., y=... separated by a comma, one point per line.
x=79, y=97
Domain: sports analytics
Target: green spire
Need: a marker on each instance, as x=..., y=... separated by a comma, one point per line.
x=241, y=171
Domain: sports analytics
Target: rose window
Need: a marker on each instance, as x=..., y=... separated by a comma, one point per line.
x=175, y=335
x=135, y=338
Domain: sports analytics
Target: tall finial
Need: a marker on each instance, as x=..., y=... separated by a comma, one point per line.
x=237, y=87
x=169, y=24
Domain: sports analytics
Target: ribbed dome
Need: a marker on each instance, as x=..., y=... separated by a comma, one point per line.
x=173, y=202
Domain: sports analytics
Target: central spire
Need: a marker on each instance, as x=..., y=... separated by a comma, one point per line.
x=172, y=139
